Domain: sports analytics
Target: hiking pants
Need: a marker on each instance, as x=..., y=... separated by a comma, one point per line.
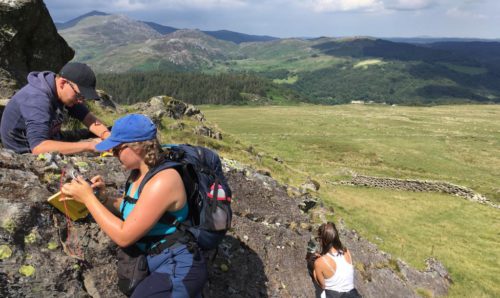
x=175, y=272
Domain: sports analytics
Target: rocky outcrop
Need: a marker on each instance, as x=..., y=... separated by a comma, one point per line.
x=158, y=107
x=41, y=255
x=420, y=186
x=106, y=101
x=28, y=41
x=204, y=130
x=378, y=274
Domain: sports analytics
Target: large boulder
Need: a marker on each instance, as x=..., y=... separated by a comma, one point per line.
x=106, y=101
x=28, y=41
x=159, y=106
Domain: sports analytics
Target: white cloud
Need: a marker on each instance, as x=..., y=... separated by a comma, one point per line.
x=456, y=12
x=368, y=5
x=176, y=4
x=345, y=5
x=147, y=5
x=128, y=5
x=408, y=4
x=304, y=17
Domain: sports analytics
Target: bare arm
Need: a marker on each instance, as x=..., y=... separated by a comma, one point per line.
x=109, y=199
x=318, y=273
x=63, y=147
x=96, y=126
x=163, y=192
x=347, y=256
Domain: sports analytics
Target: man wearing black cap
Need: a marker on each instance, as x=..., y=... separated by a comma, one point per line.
x=32, y=119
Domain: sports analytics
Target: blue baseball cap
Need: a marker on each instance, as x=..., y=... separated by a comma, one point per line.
x=127, y=129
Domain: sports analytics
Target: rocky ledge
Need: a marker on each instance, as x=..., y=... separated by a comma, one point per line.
x=41, y=254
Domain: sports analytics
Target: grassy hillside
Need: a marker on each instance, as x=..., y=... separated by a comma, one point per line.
x=458, y=144
x=95, y=36
x=333, y=71
x=323, y=70
x=398, y=82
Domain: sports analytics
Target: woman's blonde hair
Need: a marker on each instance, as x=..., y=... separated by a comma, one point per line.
x=152, y=151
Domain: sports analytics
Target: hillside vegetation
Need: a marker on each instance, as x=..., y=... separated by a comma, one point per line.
x=458, y=144
x=322, y=70
x=196, y=88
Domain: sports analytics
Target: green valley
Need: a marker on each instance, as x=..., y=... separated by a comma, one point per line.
x=324, y=70
x=457, y=144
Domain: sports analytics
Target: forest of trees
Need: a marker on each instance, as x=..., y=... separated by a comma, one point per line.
x=407, y=83
x=195, y=88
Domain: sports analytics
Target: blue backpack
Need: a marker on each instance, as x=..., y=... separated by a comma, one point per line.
x=201, y=171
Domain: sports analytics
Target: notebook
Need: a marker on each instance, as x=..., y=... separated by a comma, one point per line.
x=75, y=210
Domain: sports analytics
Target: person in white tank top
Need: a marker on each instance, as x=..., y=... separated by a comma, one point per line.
x=333, y=271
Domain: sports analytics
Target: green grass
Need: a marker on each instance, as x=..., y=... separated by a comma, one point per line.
x=466, y=69
x=366, y=63
x=299, y=63
x=458, y=144
x=415, y=226
x=289, y=80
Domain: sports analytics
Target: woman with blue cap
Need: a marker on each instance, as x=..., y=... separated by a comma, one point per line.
x=176, y=267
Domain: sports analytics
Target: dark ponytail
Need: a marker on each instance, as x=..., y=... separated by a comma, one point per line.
x=329, y=237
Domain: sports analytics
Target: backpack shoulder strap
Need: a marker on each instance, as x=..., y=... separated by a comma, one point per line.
x=188, y=176
x=167, y=164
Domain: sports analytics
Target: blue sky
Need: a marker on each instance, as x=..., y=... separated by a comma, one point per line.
x=306, y=18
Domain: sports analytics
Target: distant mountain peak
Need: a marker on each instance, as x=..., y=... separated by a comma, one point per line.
x=237, y=37
x=162, y=29
x=73, y=22
x=97, y=13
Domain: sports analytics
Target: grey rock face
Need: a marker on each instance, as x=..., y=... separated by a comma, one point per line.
x=61, y=255
x=203, y=130
x=161, y=106
x=377, y=274
x=28, y=41
x=106, y=101
x=263, y=255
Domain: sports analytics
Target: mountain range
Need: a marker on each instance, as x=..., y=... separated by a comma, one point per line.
x=321, y=70
x=227, y=35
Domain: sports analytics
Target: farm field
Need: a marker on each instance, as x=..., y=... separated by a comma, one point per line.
x=456, y=144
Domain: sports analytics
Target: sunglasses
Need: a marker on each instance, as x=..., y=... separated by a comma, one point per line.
x=78, y=95
x=118, y=149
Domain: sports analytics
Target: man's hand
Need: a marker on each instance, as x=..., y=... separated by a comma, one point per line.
x=93, y=143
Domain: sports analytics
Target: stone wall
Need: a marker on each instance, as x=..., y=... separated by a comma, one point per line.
x=419, y=186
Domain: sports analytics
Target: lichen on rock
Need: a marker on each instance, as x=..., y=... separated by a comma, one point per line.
x=27, y=270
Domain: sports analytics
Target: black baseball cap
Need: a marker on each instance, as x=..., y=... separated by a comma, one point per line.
x=83, y=76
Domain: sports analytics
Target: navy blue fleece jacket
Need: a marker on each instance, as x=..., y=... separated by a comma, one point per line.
x=34, y=114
